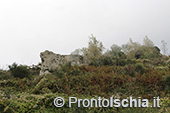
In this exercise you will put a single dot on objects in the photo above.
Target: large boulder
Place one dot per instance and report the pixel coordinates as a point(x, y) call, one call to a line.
point(51, 61)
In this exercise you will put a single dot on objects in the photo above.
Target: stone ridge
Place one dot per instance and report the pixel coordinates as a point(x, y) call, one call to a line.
point(51, 61)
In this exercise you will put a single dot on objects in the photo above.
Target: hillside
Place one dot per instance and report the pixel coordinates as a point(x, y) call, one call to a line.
point(141, 72)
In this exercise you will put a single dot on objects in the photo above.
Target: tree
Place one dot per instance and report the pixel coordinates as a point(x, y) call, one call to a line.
point(136, 50)
point(94, 50)
point(125, 48)
point(115, 52)
point(115, 49)
point(147, 42)
point(139, 54)
point(130, 48)
point(133, 45)
point(164, 47)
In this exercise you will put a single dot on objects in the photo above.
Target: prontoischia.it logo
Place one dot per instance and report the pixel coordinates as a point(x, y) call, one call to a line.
point(103, 102)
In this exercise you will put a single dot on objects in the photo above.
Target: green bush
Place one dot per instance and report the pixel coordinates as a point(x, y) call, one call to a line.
point(103, 60)
point(4, 75)
point(106, 60)
point(140, 68)
point(129, 70)
point(19, 71)
point(167, 83)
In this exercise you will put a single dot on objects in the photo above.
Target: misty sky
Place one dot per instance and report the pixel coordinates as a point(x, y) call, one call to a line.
point(28, 27)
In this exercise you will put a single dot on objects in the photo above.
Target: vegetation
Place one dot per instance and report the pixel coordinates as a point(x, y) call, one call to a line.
point(131, 70)
point(18, 71)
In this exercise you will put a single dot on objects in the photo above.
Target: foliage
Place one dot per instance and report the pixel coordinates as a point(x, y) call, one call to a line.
point(115, 52)
point(167, 83)
point(147, 42)
point(37, 94)
point(140, 68)
point(131, 70)
point(105, 60)
point(93, 52)
point(5, 75)
point(19, 71)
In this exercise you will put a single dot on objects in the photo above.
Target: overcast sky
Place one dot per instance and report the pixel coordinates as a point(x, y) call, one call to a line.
point(28, 27)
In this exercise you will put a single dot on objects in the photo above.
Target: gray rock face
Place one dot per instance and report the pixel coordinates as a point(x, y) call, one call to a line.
point(52, 61)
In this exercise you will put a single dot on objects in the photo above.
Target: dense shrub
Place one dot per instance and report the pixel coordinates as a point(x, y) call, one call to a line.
point(140, 68)
point(122, 62)
point(129, 70)
point(95, 63)
point(103, 60)
point(106, 60)
point(34, 70)
point(4, 75)
point(62, 70)
point(139, 54)
point(19, 71)
point(37, 95)
point(167, 83)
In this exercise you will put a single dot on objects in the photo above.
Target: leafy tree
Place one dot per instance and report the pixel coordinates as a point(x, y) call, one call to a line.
point(115, 50)
point(147, 42)
point(125, 48)
point(131, 48)
point(94, 50)
point(147, 52)
point(135, 50)
point(115, 53)
point(139, 54)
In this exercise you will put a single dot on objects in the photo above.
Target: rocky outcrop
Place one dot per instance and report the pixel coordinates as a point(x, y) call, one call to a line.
point(52, 61)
